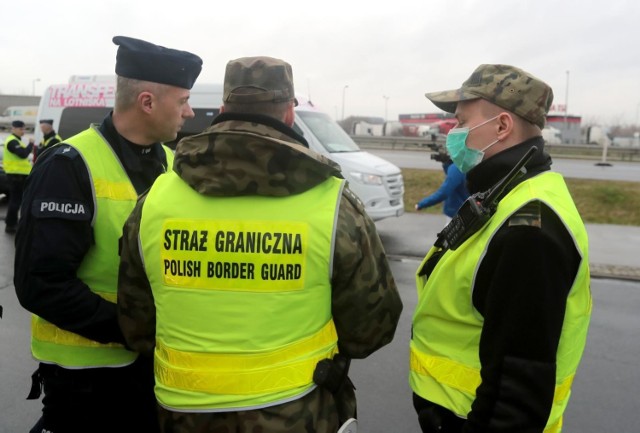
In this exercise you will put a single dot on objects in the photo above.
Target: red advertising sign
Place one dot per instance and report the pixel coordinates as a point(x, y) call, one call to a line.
point(83, 95)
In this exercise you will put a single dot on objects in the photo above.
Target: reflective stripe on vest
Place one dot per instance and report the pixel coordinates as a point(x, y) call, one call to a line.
point(445, 365)
point(114, 198)
point(246, 375)
point(12, 163)
point(257, 289)
point(467, 379)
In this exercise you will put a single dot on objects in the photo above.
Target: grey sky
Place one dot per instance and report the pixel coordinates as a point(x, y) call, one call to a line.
point(395, 49)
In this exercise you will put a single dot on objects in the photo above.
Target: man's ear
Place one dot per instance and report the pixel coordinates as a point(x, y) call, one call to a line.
point(505, 125)
point(146, 101)
point(221, 109)
point(290, 115)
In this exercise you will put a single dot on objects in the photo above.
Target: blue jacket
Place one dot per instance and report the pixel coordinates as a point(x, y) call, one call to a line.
point(453, 191)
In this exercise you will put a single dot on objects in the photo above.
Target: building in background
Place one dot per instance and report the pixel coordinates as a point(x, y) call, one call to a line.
point(363, 125)
point(567, 124)
point(22, 100)
point(18, 107)
point(427, 124)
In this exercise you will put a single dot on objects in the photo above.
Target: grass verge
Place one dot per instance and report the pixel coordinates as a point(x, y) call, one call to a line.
point(598, 201)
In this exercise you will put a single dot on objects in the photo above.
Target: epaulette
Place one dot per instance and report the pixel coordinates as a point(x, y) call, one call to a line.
point(65, 150)
point(353, 198)
point(528, 215)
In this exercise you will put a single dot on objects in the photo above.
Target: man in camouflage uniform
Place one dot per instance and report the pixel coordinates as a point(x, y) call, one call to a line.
point(251, 169)
point(502, 318)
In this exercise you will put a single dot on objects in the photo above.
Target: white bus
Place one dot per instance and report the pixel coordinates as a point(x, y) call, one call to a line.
point(377, 182)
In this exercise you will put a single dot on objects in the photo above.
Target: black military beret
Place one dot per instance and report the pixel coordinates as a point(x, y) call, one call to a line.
point(141, 60)
point(49, 121)
point(17, 124)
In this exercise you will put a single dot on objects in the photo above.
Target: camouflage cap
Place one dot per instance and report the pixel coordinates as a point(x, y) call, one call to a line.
point(505, 86)
point(258, 79)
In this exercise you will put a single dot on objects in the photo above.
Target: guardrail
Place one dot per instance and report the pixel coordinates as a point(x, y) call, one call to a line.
point(580, 151)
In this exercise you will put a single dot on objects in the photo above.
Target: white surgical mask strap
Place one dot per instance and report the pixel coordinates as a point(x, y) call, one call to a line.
point(484, 123)
point(490, 145)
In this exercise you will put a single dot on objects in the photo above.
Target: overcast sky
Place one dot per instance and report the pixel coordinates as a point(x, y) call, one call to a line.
point(393, 49)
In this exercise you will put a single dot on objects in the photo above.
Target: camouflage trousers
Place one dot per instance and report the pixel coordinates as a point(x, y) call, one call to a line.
point(316, 412)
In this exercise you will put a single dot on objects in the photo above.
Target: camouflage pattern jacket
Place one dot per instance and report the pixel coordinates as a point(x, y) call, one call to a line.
point(231, 158)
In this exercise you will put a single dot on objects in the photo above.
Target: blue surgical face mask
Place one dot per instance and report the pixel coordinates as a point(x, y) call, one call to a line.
point(462, 156)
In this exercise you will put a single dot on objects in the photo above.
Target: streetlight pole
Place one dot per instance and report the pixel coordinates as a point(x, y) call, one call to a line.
point(343, 91)
point(386, 101)
point(33, 86)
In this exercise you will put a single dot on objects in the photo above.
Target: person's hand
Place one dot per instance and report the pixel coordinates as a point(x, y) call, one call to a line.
point(416, 206)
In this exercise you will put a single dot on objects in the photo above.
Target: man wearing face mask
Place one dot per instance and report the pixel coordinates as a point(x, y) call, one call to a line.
point(501, 320)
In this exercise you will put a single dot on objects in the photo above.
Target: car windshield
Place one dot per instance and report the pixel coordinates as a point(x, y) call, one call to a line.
point(328, 132)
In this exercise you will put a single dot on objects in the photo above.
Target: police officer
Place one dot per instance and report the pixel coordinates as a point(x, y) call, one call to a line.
point(501, 320)
point(49, 136)
point(76, 202)
point(17, 167)
point(274, 258)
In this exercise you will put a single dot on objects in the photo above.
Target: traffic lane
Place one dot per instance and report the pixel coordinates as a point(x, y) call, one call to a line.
point(16, 364)
point(604, 395)
point(571, 168)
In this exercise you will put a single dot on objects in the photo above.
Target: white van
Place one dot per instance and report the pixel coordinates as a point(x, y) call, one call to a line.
point(377, 182)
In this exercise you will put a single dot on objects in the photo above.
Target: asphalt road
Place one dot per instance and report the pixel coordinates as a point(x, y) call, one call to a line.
point(604, 394)
point(572, 168)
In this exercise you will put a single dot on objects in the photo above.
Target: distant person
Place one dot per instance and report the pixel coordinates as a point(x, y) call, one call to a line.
point(17, 167)
point(453, 191)
point(50, 137)
point(250, 265)
point(501, 319)
point(66, 264)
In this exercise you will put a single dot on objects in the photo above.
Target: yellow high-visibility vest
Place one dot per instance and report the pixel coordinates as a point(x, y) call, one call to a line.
point(13, 164)
point(242, 293)
point(45, 143)
point(114, 198)
point(444, 358)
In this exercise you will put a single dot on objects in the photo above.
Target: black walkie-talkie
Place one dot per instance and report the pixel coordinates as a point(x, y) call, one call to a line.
point(479, 207)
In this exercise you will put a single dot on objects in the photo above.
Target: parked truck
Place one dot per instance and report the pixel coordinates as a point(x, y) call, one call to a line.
point(595, 135)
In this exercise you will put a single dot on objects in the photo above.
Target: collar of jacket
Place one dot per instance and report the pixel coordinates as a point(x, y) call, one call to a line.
point(129, 153)
point(238, 157)
point(49, 135)
point(486, 174)
point(263, 120)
